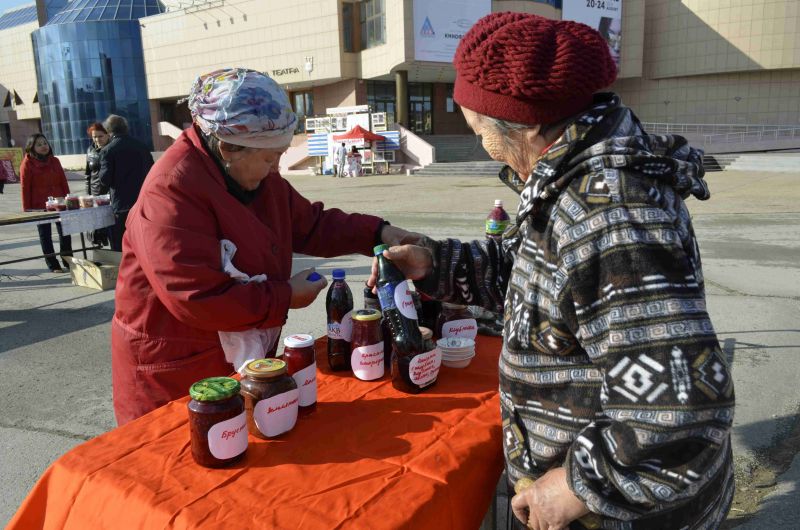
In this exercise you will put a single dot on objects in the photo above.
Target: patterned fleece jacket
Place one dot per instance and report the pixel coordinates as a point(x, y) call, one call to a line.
point(610, 365)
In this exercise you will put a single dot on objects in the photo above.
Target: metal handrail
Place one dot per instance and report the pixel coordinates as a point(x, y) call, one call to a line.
point(753, 136)
point(710, 128)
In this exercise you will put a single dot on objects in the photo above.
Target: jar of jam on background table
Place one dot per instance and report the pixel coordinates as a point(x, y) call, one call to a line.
point(217, 422)
point(301, 362)
point(271, 398)
point(456, 321)
point(367, 358)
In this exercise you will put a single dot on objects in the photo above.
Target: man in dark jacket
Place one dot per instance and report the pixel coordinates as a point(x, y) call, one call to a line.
point(124, 163)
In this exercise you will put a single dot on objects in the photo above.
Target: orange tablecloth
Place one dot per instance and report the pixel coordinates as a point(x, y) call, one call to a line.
point(370, 457)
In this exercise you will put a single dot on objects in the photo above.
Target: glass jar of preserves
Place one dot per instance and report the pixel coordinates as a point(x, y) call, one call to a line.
point(217, 422)
point(301, 361)
point(72, 202)
point(367, 357)
point(86, 201)
point(456, 321)
point(271, 398)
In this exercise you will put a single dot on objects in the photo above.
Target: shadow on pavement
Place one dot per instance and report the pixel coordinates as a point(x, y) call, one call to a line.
point(31, 326)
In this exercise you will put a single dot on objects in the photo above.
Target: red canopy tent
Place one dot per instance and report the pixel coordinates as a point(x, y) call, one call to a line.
point(359, 133)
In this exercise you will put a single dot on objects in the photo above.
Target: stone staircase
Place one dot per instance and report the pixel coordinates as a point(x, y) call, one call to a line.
point(457, 147)
point(479, 168)
point(770, 162)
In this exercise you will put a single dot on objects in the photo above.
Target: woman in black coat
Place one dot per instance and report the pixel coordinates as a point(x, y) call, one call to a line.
point(100, 139)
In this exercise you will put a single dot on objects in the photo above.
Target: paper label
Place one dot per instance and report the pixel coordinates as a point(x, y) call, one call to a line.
point(228, 438)
point(404, 301)
point(306, 380)
point(278, 414)
point(495, 227)
point(342, 330)
point(367, 362)
point(423, 369)
point(466, 327)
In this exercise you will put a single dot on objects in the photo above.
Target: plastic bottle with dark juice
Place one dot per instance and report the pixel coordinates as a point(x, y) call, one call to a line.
point(408, 373)
point(339, 304)
point(497, 221)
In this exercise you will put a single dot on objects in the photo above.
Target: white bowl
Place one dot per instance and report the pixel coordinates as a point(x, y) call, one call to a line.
point(463, 363)
point(456, 356)
point(455, 343)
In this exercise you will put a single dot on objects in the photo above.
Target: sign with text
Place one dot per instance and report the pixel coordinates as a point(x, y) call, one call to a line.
point(439, 26)
point(603, 15)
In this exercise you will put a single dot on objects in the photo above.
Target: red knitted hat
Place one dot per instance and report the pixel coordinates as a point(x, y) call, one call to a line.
point(529, 69)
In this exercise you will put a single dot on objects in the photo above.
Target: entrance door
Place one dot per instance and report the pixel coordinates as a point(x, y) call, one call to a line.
point(416, 117)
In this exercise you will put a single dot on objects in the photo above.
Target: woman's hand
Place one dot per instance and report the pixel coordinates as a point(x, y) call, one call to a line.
point(304, 292)
point(413, 261)
point(548, 504)
point(393, 236)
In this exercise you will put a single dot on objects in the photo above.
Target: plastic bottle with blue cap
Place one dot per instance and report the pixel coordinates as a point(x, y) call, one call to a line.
point(339, 306)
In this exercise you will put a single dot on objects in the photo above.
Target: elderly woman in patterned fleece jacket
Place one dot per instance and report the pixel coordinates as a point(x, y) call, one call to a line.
point(615, 396)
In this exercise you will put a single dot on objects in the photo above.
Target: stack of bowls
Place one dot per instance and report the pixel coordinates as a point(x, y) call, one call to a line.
point(457, 352)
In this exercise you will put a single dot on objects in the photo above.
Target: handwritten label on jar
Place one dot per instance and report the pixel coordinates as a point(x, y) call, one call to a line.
point(228, 438)
point(466, 327)
point(423, 369)
point(342, 330)
point(278, 414)
point(306, 380)
point(367, 362)
point(398, 296)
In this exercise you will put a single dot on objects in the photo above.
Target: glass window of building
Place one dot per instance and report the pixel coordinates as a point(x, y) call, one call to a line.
point(420, 108)
point(373, 23)
point(349, 26)
point(303, 105)
point(381, 97)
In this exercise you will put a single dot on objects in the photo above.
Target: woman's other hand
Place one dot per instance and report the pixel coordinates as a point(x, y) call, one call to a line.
point(304, 292)
point(548, 504)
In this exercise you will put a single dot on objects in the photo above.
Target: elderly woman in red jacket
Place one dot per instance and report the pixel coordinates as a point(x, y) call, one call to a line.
point(42, 176)
point(219, 181)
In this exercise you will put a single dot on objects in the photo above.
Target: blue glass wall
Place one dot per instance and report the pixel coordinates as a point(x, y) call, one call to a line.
point(86, 71)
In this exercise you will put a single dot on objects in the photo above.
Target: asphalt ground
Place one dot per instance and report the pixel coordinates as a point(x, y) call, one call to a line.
point(54, 337)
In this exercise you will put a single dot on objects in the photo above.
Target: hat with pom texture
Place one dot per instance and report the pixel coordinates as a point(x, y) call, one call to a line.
point(529, 69)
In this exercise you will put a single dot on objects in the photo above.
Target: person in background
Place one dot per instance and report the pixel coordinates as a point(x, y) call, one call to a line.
point(616, 399)
point(100, 139)
point(219, 182)
point(41, 176)
point(354, 161)
point(341, 160)
point(124, 164)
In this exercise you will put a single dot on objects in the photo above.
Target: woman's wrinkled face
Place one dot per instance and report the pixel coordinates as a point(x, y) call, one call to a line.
point(99, 138)
point(41, 146)
point(250, 166)
point(492, 139)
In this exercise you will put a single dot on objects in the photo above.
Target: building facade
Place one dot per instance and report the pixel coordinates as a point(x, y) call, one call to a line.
point(680, 61)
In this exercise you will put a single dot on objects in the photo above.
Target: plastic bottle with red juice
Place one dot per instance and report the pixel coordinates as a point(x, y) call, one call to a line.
point(497, 221)
point(339, 304)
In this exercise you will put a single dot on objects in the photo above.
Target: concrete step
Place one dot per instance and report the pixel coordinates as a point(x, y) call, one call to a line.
point(457, 148)
point(462, 169)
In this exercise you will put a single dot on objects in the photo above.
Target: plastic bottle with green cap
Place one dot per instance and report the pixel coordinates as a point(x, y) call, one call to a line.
point(398, 308)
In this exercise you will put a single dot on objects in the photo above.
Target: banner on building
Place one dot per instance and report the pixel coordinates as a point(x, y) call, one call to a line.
point(603, 15)
point(440, 24)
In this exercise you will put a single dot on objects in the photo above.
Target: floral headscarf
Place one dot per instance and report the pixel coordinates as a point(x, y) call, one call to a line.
point(243, 107)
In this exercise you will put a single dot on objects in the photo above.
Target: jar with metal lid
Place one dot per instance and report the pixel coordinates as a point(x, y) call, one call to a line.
point(428, 343)
point(271, 397)
point(367, 357)
point(301, 361)
point(456, 321)
point(217, 422)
